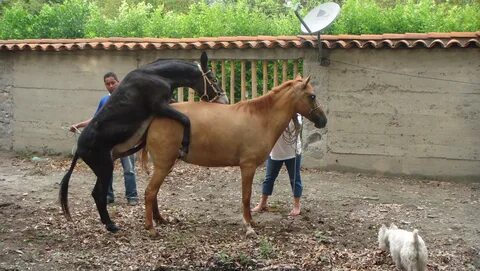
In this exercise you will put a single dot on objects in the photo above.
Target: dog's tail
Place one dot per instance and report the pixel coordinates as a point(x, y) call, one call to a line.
point(416, 245)
point(63, 194)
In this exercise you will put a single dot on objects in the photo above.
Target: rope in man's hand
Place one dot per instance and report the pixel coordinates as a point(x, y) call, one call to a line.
point(75, 132)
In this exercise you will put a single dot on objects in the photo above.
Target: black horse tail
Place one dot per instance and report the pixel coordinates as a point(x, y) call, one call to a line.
point(63, 194)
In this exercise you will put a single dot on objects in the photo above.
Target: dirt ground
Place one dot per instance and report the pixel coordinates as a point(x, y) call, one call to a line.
point(341, 214)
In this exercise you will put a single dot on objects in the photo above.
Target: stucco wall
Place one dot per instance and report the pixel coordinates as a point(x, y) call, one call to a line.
point(377, 121)
point(53, 90)
point(6, 101)
point(392, 123)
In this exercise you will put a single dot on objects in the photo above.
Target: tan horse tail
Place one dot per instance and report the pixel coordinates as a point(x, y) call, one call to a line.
point(144, 159)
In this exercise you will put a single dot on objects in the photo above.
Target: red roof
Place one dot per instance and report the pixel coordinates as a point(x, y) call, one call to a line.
point(408, 40)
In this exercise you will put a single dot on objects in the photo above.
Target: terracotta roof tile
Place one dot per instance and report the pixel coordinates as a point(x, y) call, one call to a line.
point(407, 40)
point(393, 36)
point(420, 35)
point(420, 43)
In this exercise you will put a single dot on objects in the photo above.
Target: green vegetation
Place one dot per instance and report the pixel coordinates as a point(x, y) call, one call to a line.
point(189, 18)
point(266, 249)
point(224, 261)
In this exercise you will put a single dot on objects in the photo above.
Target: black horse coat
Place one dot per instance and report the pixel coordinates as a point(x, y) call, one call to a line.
point(143, 94)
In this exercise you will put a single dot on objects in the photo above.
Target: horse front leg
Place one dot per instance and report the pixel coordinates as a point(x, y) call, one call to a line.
point(248, 171)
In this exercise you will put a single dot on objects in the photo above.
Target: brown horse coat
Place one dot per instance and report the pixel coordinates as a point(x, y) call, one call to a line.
point(228, 135)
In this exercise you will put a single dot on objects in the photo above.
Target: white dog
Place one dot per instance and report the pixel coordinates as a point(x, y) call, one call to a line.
point(407, 248)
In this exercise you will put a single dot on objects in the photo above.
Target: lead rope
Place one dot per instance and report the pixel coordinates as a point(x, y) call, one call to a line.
point(299, 138)
point(75, 134)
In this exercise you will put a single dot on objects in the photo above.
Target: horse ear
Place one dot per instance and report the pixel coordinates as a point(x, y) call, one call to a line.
point(305, 82)
point(204, 62)
point(299, 76)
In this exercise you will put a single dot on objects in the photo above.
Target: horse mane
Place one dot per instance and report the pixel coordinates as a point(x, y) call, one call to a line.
point(265, 101)
point(166, 60)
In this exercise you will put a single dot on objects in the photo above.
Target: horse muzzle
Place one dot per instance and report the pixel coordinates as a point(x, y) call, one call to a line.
point(321, 122)
point(222, 99)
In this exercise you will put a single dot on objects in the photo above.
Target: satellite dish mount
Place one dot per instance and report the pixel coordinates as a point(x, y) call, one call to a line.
point(315, 21)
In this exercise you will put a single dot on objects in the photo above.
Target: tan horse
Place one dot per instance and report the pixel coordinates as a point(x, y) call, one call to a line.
point(228, 135)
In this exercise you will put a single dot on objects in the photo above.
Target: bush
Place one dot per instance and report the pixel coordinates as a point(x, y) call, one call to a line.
point(65, 20)
point(132, 18)
point(410, 16)
point(16, 23)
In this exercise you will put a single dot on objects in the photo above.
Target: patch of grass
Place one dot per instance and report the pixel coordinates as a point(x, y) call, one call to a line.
point(266, 249)
point(323, 238)
point(225, 261)
point(223, 258)
point(245, 260)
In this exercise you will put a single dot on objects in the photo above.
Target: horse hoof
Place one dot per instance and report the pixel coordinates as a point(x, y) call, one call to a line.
point(112, 228)
point(160, 221)
point(153, 234)
point(251, 233)
point(181, 154)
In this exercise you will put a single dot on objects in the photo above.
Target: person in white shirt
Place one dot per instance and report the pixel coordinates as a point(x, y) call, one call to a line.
point(287, 150)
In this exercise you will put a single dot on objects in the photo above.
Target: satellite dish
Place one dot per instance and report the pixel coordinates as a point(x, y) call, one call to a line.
point(320, 17)
point(317, 20)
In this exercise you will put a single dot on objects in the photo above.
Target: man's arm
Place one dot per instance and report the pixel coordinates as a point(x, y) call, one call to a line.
point(74, 128)
point(79, 125)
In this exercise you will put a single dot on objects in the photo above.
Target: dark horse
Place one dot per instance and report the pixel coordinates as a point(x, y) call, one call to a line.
point(118, 129)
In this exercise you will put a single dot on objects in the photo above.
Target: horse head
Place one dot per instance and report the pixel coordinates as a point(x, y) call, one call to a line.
point(208, 85)
point(307, 104)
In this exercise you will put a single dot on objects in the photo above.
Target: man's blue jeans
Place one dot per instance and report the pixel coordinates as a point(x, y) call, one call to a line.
point(273, 168)
point(128, 164)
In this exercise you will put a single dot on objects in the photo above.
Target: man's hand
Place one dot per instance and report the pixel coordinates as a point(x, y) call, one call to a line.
point(74, 129)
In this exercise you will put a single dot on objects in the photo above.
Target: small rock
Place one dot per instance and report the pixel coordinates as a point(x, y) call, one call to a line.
point(455, 227)
point(371, 198)
point(39, 159)
point(471, 267)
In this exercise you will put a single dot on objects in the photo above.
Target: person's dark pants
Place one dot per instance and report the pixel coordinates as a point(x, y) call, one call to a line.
point(273, 168)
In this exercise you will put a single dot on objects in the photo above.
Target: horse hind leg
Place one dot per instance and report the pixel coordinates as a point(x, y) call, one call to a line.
point(247, 179)
point(157, 217)
point(102, 166)
point(151, 192)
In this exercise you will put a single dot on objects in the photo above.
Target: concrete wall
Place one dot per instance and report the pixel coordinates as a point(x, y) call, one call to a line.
point(53, 90)
point(392, 123)
point(6, 101)
point(379, 122)
point(45, 92)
